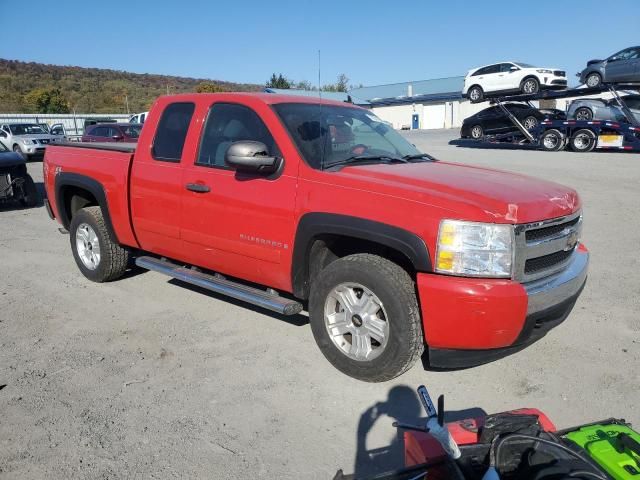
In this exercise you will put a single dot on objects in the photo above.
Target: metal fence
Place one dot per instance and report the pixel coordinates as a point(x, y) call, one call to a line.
point(73, 123)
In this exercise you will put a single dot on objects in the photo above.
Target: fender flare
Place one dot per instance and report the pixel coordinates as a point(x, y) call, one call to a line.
point(314, 225)
point(65, 179)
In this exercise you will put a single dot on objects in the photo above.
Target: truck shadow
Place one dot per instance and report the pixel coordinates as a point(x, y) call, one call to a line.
point(298, 320)
point(402, 405)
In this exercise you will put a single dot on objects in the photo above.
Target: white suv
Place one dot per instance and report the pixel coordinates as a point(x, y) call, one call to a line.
point(510, 77)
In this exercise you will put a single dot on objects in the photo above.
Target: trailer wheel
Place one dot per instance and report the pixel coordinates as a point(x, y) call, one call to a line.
point(584, 140)
point(552, 140)
point(476, 94)
point(477, 132)
point(594, 79)
point(530, 86)
point(584, 113)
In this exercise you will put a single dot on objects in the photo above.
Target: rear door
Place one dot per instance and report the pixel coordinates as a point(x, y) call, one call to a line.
point(237, 223)
point(489, 78)
point(156, 179)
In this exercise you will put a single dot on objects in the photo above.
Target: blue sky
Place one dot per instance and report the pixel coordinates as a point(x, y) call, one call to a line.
point(373, 42)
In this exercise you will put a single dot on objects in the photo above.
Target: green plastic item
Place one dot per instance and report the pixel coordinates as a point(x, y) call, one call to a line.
point(605, 445)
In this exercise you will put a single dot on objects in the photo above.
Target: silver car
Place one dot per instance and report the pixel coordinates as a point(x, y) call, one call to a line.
point(620, 67)
point(599, 109)
point(27, 139)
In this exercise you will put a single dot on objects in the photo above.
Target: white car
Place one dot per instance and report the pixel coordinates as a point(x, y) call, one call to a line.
point(510, 77)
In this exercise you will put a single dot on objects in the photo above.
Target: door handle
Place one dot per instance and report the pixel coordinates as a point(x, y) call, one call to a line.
point(197, 187)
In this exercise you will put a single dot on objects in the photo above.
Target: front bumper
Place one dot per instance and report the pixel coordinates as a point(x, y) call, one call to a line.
point(471, 321)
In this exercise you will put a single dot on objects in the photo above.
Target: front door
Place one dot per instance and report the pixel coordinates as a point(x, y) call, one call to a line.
point(237, 223)
point(623, 66)
point(415, 121)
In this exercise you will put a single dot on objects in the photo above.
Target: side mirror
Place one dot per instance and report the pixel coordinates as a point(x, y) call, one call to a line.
point(250, 156)
point(118, 138)
point(513, 69)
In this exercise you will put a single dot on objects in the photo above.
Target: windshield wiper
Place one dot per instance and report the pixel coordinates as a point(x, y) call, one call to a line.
point(364, 158)
point(418, 156)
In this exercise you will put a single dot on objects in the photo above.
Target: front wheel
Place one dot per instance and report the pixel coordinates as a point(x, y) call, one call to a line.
point(552, 140)
point(584, 140)
point(16, 149)
point(97, 255)
point(530, 86)
point(584, 113)
point(593, 80)
point(30, 196)
point(365, 317)
point(477, 132)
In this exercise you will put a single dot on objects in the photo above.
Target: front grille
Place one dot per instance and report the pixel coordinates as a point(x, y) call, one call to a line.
point(534, 265)
point(545, 248)
point(560, 73)
point(541, 233)
point(44, 141)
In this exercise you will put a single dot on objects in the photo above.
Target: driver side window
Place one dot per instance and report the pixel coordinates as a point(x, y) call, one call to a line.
point(228, 123)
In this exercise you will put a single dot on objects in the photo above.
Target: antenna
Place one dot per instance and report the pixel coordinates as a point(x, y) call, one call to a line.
point(322, 140)
point(319, 90)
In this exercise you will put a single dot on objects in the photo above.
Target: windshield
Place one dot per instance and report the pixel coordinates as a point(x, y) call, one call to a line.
point(26, 129)
point(325, 134)
point(132, 131)
point(524, 65)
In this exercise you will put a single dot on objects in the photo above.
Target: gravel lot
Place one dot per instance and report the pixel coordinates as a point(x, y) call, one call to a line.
point(140, 378)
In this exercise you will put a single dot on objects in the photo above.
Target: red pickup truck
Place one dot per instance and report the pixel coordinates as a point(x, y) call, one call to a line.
point(290, 202)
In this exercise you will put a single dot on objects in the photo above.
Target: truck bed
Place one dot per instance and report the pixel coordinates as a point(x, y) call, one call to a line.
point(115, 147)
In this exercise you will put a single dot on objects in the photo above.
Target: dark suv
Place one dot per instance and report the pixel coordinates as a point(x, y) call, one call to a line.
point(112, 132)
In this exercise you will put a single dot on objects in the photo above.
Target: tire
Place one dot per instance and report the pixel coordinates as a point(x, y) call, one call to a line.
point(530, 122)
point(389, 292)
point(16, 149)
point(475, 94)
point(30, 195)
point(552, 140)
point(477, 132)
point(530, 86)
point(583, 140)
point(111, 260)
point(594, 79)
point(583, 113)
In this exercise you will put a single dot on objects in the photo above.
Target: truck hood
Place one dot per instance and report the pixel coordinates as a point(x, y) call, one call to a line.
point(37, 136)
point(472, 193)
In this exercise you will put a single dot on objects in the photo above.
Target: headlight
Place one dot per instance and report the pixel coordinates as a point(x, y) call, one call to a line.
point(28, 141)
point(474, 249)
point(544, 70)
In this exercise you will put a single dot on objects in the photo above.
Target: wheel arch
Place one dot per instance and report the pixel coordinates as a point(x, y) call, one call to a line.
point(74, 191)
point(529, 76)
point(324, 237)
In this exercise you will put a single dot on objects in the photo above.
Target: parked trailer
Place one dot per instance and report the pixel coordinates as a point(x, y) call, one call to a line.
point(578, 135)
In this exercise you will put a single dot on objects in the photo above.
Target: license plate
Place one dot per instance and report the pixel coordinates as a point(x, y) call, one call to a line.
point(610, 141)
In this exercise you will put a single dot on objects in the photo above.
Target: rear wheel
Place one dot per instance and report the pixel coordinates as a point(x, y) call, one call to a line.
point(584, 113)
point(583, 140)
point(552, 140)
point(530, 86)
point(530, 122)
point(477, 132)
point(476, 94)
point(365, 317)
point(97, 255)
point(594, 79)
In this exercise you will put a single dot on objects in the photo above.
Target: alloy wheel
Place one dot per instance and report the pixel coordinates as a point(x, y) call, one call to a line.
point(88, 246)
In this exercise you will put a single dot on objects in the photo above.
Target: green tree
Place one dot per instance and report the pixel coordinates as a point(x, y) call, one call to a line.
point(46, 100)
point(278, 81)
point(209, 87)
point(341, 85)
point(304, 85)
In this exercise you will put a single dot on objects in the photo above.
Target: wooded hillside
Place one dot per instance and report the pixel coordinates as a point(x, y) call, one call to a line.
point(39, 88)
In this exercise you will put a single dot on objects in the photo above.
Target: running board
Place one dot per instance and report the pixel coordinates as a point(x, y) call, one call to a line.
point(260, 298)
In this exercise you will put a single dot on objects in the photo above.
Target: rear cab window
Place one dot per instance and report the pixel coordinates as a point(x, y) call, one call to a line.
point(171, 133)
